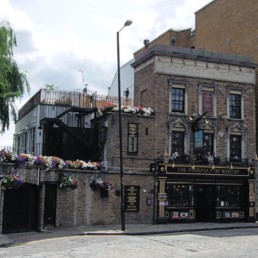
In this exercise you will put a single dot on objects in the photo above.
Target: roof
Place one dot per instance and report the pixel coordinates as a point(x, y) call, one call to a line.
point(197, 54)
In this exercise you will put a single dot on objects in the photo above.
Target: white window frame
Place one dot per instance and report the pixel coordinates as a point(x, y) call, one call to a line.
point(178, 86)
point(236, 92)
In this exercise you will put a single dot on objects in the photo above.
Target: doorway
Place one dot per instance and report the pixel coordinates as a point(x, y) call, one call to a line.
point(205, 199)
point(50, 205)
point(20, 209)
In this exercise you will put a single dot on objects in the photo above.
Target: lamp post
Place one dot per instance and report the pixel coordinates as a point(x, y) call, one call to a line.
point(127, 23)
point(84, 84)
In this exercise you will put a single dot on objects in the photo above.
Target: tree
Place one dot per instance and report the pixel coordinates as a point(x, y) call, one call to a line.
point(50, 86)
point(13, 83)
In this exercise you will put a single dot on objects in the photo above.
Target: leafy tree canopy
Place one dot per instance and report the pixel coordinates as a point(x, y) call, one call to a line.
point(13, 83)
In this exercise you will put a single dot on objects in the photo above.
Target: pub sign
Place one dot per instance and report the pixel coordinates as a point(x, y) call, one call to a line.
point(132, 142)
point(198, 141)
point(132, 198)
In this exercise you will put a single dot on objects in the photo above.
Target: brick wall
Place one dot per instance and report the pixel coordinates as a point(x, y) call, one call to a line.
point(181, 38)
point(132, 162)
point(83, 206)
point(229, 27)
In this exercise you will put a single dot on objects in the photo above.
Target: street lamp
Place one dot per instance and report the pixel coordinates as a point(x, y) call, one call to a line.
point(127, 23)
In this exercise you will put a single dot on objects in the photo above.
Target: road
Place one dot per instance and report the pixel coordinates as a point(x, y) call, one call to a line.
point(216, 243)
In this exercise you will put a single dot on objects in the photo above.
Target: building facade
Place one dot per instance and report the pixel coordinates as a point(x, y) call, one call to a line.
point(68, 110)
point(216, 30)
point(204, 126)
point(195, 159)
point(59, 123)
point(191, 160)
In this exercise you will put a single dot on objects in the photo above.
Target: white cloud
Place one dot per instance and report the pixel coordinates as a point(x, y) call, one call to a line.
point(57, 38)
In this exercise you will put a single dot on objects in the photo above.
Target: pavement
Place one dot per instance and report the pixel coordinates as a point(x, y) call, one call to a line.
point(130, 229)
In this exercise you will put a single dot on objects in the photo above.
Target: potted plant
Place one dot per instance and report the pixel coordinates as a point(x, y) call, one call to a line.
point(102, 185)
point(68, 182)
point(11, 181)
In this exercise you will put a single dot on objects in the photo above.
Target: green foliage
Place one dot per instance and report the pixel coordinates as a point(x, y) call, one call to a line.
point(13, 83)
point(50, 87)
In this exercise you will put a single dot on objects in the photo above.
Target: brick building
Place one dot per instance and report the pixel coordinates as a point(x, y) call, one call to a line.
point(216, 30)
point(212, 94)
point(236, 33)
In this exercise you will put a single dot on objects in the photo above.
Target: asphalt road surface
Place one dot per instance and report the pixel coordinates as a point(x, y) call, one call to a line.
point(216, 243)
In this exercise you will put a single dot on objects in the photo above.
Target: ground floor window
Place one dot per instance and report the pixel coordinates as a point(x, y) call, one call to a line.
point(180, 195)
point(204, 202)
point(229, 196)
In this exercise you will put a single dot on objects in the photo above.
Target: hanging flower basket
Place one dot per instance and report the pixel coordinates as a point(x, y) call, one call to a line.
point(68, 182)
point(102, 186)
point(206, 158)
point(11, 181)
point(179, 158)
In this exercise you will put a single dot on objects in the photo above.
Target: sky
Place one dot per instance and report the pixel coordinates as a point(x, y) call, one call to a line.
point(56, 39)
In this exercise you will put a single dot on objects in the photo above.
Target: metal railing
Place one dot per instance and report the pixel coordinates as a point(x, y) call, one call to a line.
point(6, 148)
point(78, 98)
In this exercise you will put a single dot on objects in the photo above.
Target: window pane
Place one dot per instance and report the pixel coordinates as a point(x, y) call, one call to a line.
point(180, 195)
point(32, 144)
point(229, 196)
point(208, 143)
point(178, 100)
point(235, 147)
point(177, 142)
point(235, 106)
point(207, 102)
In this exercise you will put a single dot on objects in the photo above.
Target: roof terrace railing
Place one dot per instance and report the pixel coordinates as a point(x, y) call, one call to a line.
point(78, 98)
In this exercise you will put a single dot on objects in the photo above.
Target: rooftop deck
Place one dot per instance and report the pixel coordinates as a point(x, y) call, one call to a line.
point(78, 98)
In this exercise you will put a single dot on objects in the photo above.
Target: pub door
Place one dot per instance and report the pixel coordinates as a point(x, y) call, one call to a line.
point(50, 205)
point(20, 209)
point(205, 199)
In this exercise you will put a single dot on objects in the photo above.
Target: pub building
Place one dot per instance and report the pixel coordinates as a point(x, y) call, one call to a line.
point(204, 132)
point(205, 188)
point(205, 193)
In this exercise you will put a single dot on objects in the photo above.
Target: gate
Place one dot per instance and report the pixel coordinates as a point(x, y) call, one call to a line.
point(20, 209)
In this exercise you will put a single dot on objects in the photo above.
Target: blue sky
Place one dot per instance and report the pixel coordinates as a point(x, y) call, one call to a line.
point(57, 38)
